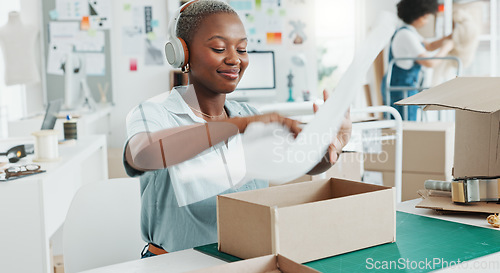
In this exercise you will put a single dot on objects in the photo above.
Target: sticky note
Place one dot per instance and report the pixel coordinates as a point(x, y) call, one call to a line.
point(274, 38)
point(241, 5)
point(126, 6)
point(92, 32)
point(151, 36)
point(53, 14)
point(155, 23)
point(258, 4)
point(85, 23)
point(250, 18)
point(133, 64)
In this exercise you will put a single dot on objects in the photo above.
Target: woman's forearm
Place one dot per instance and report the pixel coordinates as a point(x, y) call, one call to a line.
point(158, 150)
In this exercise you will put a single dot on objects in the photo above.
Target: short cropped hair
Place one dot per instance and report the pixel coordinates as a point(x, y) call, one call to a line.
point(193, 15)
point(411, 10)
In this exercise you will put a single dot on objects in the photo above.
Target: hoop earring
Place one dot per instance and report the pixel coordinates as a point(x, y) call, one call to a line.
point(186, 68)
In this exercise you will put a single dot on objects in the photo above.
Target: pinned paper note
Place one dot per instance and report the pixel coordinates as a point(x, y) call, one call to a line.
point(91, 40)
point(274, 38)
point(133, 64)
point(53, 14)
point(95, 64)
point(85, 24)
point(71, 9)
point(151, 36)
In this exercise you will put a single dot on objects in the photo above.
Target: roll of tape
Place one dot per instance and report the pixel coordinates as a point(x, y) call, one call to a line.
point(70, 130)
point(46, 146)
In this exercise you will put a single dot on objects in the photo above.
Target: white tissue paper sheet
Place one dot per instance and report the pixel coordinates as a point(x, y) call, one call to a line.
point(269, 151)
point(209, 173)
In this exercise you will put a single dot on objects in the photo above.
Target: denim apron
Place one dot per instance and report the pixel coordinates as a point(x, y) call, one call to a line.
point(402, 77)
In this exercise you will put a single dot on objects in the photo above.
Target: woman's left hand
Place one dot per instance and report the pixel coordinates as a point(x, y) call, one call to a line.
point(343, 136)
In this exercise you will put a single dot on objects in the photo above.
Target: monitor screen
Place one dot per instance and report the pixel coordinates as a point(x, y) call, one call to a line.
point(49, 121)
point(260, 73)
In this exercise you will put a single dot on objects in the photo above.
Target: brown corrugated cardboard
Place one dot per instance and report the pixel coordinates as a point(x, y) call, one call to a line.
point(306, 221)
point(477, 144)
point(477, 137)
point(427, 148)
point(411, 182)
point(265, 264)
point(444, 203)
point(58, 264)
point(349, 166)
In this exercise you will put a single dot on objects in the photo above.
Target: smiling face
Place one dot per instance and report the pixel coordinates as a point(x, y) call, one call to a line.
point(218, 56)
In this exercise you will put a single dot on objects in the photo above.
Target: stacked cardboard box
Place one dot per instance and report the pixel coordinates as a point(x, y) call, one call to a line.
point(427, 154)
point(477, 139)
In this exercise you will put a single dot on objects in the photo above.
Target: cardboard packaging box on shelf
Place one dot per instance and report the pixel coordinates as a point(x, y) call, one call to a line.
point(427, 154)
point(477, 122)
point(412, 182)
point(268, 263)
point(427, 148)
point(306, 221)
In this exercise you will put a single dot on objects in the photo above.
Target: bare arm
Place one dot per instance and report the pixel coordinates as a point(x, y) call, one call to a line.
point(445, 45)
point(436, 44)
point(158, 150)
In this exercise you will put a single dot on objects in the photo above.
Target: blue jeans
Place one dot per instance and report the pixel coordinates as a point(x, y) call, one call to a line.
point(397, 96)
point(146, 253)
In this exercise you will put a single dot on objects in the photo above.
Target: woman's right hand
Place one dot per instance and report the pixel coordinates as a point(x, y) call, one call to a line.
point(448, 45)
point(291, 124)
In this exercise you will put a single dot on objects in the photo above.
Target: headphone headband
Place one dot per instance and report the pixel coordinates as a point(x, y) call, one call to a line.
point(176, 49)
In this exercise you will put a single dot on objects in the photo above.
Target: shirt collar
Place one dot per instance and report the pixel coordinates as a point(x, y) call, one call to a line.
point(176, 104)
point(410, 27)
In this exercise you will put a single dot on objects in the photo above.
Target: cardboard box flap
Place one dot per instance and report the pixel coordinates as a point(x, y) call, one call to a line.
point(288, 266)
point(264, 264)
point(477, 94)
point(444, 203)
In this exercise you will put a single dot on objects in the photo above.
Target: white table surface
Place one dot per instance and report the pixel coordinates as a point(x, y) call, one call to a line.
point(191, 259)
point(33, 208)
point(180, 261)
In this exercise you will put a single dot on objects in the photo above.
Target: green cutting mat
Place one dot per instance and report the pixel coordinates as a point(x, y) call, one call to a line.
point(421, 241)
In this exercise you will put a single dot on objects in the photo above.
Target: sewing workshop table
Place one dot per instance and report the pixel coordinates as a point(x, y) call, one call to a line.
point(33, 208)
point(190, 259)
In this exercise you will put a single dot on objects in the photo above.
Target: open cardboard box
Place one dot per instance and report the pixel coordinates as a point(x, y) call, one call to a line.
point(265, 264)
point(306, 221)
point(477, 122)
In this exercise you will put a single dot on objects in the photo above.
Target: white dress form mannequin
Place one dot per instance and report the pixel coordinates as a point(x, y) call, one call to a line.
point(18, 46)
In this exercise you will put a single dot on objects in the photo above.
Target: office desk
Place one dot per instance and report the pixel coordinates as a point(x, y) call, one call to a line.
point(34, 207)
point(190, 259)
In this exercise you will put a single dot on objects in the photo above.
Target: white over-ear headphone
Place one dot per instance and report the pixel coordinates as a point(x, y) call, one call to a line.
point(176, 49)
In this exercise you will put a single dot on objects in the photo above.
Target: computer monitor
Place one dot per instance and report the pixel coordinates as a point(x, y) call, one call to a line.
point(259, 79)
point(53, 108)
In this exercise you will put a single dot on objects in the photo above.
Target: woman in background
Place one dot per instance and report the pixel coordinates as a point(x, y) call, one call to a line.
point(408, 43)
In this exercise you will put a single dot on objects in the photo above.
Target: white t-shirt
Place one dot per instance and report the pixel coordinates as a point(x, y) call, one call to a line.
point(407, 43)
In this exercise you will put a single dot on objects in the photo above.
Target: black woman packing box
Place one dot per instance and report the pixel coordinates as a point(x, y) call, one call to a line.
point(477, 122)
